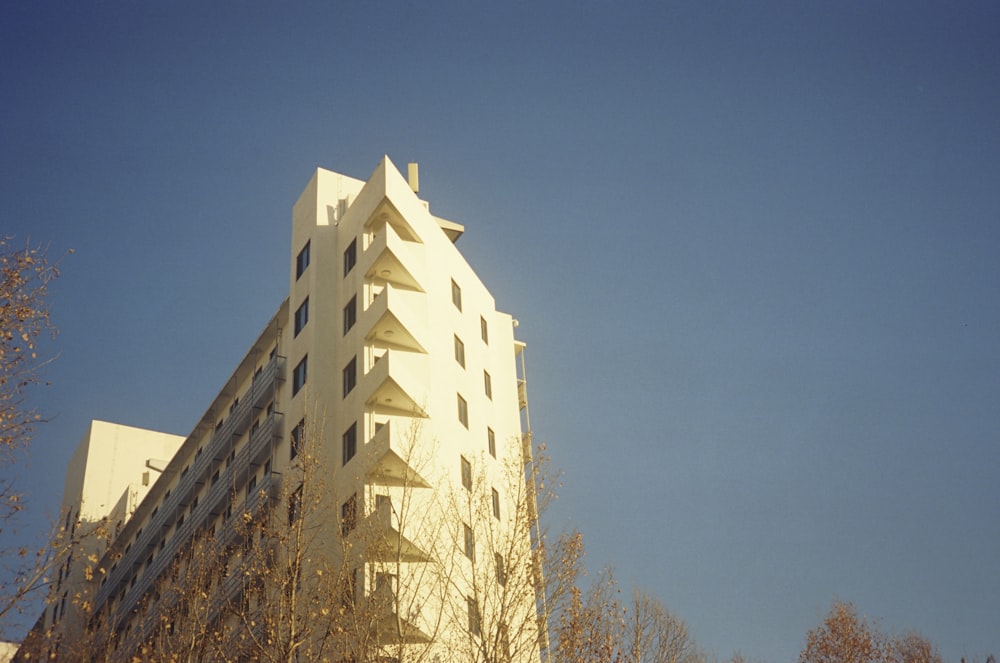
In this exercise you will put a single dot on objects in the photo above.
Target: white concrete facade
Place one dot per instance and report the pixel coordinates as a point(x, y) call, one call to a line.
point(109, 474)
point(390, 349)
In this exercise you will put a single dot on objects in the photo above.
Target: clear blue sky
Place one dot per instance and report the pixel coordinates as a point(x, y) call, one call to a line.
point(754, 249)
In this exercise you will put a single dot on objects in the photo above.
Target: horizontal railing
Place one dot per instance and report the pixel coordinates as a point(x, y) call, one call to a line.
point(192, 478)
point(224, 536)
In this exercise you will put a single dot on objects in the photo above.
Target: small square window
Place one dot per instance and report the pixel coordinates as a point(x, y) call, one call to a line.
point(463, 411)
point(466, 473)
point(496, 504)
point(350, 256)
point(488, 385)
point(470, 542)
point(349, 443)
point(350, 376)
point(456, 295)
point(299, 375)
point(302, 261)
point(484, 329)
point(491, 442)
point(301, 316)
point(298, 438)
point(350, 314)
point(460, 352)
point(348, 514)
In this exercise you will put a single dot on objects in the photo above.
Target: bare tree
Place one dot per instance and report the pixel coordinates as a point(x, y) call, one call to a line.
point(846, 637)
point(25, 275)
point(653, 634)
point(914, 648)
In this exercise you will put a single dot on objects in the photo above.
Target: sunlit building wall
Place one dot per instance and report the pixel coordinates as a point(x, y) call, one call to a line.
point(388, 364)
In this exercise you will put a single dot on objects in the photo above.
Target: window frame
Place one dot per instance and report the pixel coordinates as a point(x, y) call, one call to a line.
point(463, 411)
point(349, 515)
point(296, 439)
point(350, 314)
point(301, 317)
point(456, 294)
point(302, 260)
point(469, 542)
point(475, 620)
point(294, 505)
point(300, 374)
point(350, 376)
point(349, 443)
point(350, 256)
point(466, 473)
point(459, 351)
point(501, 569)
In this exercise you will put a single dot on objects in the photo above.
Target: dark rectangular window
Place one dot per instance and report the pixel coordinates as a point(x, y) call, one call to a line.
point(460, 352)
point(302, 261)
point(348, 514)
point(470, 542)
point(298, 438)
point(488, 385)
point(350, 314)
point(301, 316)
point(463, 411)
point(475, 628)
point(350, 375)
point(496, 504)
point(350, 256)
point(350, 443)
point(294, 505)
point(350, 590)
point(299, 375)
point(501, 570)
point(456, 295)
point(491, 442)
point(466, 473)
point(484, 330)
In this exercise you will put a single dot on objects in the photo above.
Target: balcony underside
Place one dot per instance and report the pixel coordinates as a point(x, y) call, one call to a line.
point(390, 332)
point(391, 546)
point(391, 470)
point(393, 629)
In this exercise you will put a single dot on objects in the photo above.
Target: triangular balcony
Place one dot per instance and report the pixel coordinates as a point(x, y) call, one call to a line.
point(384, 541)
point(386, 199)
point(393, 629)
point(390, 323)
point(386, 214)
point(390, 259)
point(387, 449)
point(391, 389)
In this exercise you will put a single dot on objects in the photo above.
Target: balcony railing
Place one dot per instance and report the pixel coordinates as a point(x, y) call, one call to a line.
point(250, 454)
point(192, 478)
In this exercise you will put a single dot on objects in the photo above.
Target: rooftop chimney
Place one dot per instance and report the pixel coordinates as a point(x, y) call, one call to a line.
point(413, 175)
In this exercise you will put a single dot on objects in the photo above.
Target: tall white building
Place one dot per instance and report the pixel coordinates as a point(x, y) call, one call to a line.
point(391, 372)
